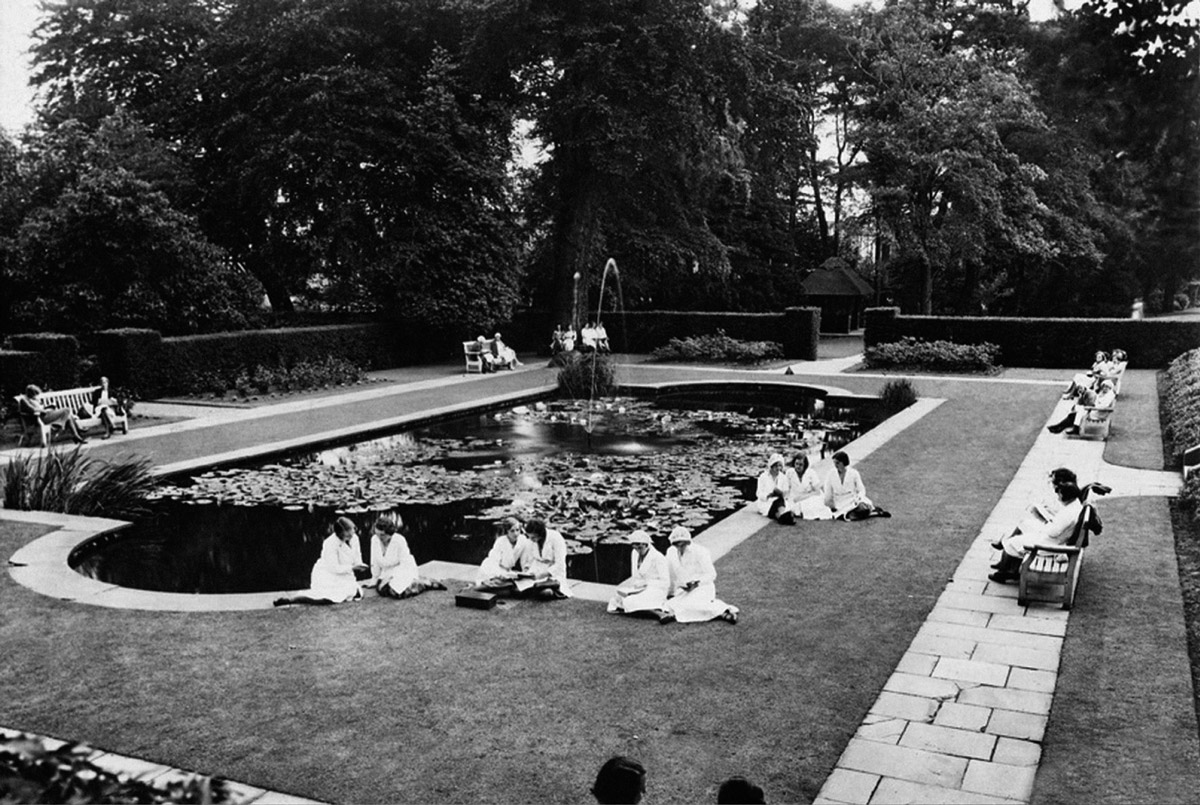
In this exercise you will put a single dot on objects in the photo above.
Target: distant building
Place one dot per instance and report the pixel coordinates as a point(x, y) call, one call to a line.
point(840, 292)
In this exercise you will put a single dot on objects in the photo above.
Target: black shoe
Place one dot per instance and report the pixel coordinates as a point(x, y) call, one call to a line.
point(666, 617)
point(730, 616)
point(280, 602)
point(997, 545)
point(997, 566)
point(1002, 578)
point(1054, 429)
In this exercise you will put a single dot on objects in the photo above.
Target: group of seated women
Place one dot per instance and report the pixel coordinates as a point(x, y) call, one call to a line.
point(527, 560)
point(593, 337)
point(795, 493)
point(1105, 366)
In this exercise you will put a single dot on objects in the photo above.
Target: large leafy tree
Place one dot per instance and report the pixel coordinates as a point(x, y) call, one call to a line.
point(944, 128)
point(628, 99)
point(351, 150)
point(100, 245)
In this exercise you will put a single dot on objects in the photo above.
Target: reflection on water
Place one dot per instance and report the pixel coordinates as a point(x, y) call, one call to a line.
point(642, 466)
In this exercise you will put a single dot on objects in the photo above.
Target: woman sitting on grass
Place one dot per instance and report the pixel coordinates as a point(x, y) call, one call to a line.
point(693, 584)
point(773, 494)
point(334, 577)
point(393, 568)
point(845, 493)
point(647, 586)
point(805, 495)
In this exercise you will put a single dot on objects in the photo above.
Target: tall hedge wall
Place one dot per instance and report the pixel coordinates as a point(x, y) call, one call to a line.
point(1047, 343)
point(17, 370)
point(644, 330)
point(56, 365)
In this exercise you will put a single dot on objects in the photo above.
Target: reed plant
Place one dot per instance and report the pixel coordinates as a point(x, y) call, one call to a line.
point(586, 376)
point(71, 482)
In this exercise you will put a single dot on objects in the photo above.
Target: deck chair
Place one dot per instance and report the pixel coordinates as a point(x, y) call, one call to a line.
point(1050, 573)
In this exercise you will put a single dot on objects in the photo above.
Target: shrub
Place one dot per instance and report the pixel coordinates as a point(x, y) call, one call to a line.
point(587, 376)
point(717, 348)
point(30, 772)
point(897, 395)
point(912, 352)
point(71, 482)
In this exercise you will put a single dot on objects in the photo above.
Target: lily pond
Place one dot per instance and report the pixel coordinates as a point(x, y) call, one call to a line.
point(594, 473)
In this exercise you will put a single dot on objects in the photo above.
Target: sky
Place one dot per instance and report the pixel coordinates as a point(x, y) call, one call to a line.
point(18, 18)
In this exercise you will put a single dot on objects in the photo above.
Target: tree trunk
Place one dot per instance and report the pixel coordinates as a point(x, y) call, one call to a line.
point(926, 286)
point(574, 244)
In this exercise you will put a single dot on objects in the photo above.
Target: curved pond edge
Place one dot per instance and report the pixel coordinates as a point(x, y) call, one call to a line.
point(43, 565)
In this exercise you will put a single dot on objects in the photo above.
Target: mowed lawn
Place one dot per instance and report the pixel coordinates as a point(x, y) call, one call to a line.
point(419, 701)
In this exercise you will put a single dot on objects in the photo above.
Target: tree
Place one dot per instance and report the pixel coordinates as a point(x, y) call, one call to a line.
point(940, 127)
point(99, 246)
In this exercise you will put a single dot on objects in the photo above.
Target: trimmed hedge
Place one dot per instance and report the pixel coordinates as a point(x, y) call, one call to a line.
point(57, 364)
point(18, 369)
point(943, 355)
point(1182, 403)
point(718, 348)
point(1048, 343)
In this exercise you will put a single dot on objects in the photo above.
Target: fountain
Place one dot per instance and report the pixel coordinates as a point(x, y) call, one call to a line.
point(609, 265)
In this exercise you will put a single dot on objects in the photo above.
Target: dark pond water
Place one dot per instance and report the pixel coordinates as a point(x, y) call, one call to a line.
point(595, 475)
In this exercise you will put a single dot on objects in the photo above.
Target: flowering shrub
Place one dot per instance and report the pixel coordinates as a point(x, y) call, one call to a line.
point(912, 352)
point(718, 348)
point(30, 772)
point(302, 375)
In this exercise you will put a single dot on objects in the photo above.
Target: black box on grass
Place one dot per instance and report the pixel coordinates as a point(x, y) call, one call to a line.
point(475, 599)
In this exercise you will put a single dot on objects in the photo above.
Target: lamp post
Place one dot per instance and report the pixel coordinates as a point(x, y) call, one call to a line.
point(575, 303)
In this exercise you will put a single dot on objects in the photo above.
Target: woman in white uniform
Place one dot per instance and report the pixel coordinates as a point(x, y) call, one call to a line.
point(1033, 531)
point(334, 576)
point(647, 586)
point(845, 493)
point(772, 496)
point(393, 568)
point(693, 584)
point(805, 494)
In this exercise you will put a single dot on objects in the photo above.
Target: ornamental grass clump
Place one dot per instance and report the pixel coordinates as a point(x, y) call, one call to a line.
point(71, 482)
point(586, 376)
point(897, 395)
point(31, 772)
point(946, 356)
point(718, 348)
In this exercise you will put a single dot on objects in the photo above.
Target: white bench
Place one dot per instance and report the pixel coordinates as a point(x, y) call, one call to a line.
point(73, 400)
point(1096, 423)
point(1191, 462)
point(473, 354)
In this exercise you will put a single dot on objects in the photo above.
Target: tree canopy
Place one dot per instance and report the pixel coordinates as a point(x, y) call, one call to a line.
point(366, 155)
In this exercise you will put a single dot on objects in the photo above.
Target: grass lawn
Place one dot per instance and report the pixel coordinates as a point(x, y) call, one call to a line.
point(1123, 725)
point(418, 701)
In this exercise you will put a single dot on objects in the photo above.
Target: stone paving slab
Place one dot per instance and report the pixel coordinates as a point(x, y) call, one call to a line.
point(963, 716)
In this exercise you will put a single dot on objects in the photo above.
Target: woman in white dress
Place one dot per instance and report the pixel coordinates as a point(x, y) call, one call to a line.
point(845, 493)
point(647, 586)
point(805, 494)
point(772, 496)
point(393, 568)
point(693, 584)
point(1034, 531)
point(334, 576)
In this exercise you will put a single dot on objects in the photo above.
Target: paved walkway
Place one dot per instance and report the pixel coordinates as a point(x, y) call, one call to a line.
point(960, 720)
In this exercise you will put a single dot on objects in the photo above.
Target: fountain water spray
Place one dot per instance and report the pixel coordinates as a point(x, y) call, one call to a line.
point(609, 265)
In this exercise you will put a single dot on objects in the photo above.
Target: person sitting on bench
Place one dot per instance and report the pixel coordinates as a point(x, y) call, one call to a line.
point(647, 586)
point(56, 418)
point(1035, 530)
point(1103, 397)
point(103, 404)
point(504, 355)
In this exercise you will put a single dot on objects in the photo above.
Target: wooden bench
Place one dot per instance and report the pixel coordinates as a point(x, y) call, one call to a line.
point(73, 400)
point(473, 354)
point(1096, 423)
point(1050, 573)
point(1191, 462)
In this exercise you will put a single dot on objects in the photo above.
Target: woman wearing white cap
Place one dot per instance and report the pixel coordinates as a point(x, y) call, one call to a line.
point(773, 495)
point(647, 587)
point(693, 583)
